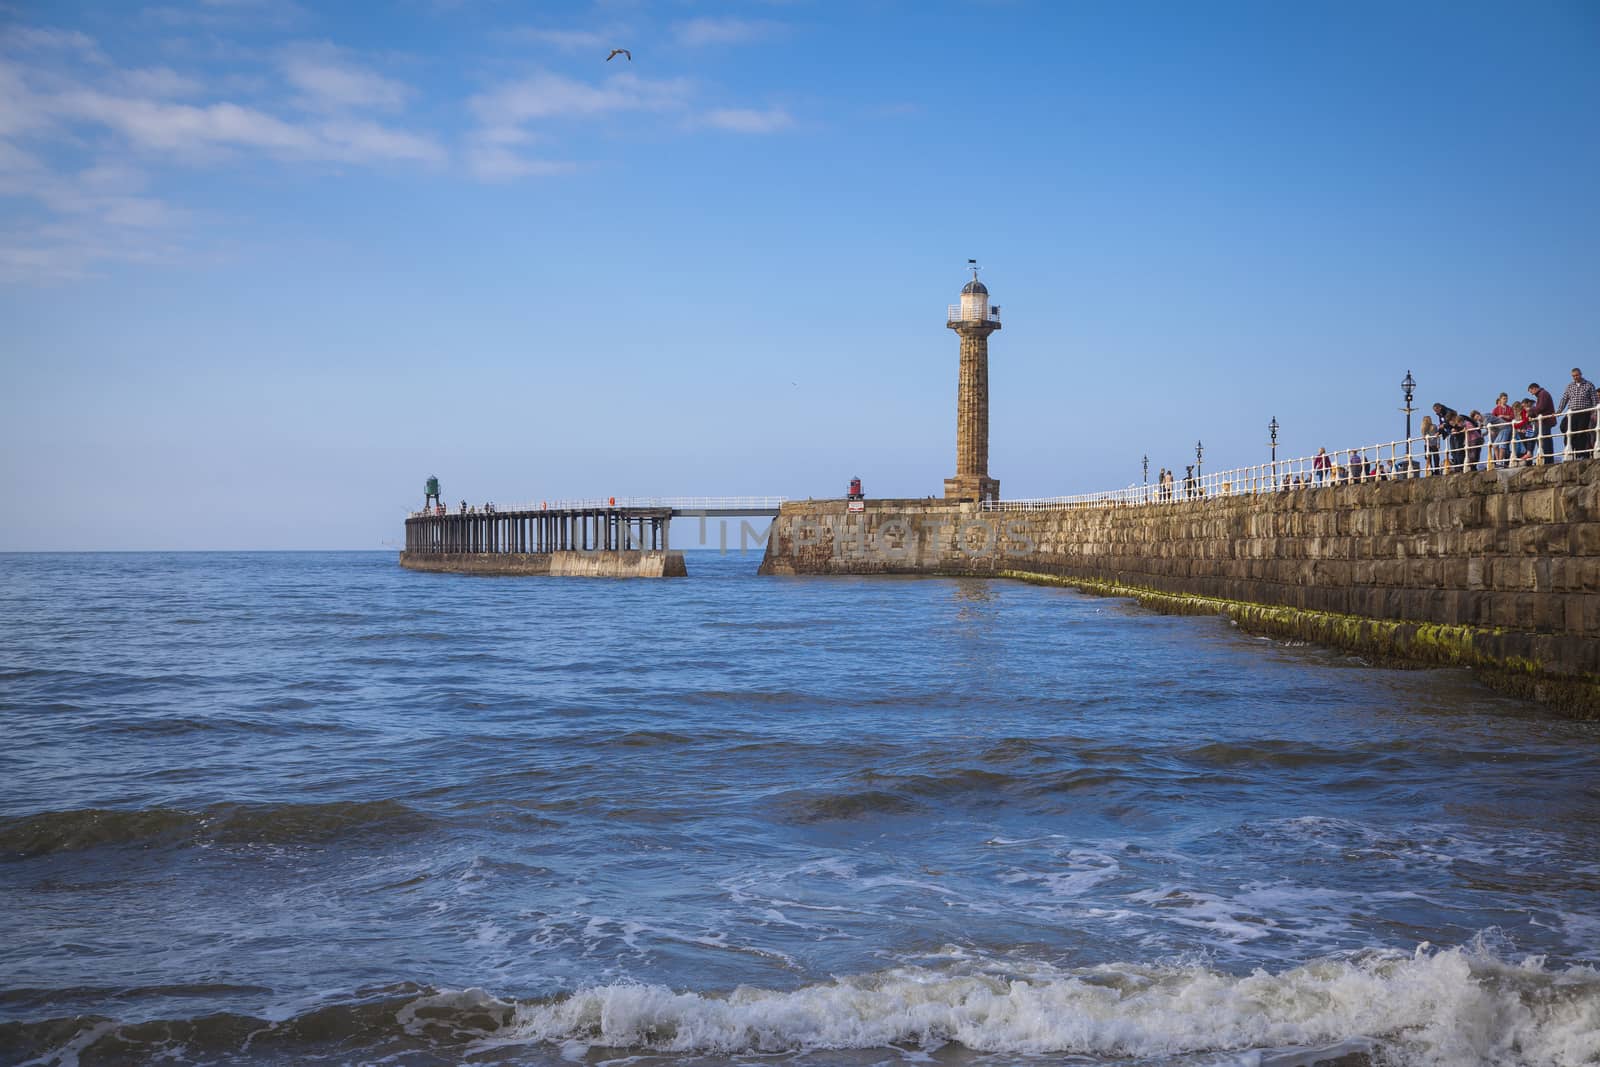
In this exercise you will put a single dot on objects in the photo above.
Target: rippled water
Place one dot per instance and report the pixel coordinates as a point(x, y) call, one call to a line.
point(310, 808)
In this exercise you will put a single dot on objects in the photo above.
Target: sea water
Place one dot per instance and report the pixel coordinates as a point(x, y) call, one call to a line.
point(316, 809)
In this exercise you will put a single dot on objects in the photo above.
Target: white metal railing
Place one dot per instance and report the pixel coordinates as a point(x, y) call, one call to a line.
point(599, 503)
point(1418, 457)
point(953, 313)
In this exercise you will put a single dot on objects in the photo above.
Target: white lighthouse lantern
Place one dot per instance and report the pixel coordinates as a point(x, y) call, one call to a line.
point(974, 306)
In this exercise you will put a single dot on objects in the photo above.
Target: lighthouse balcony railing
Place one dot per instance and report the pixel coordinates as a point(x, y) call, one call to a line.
point(954, 313)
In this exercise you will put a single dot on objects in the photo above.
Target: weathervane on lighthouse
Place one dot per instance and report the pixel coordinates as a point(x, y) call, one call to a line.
point(974, 319)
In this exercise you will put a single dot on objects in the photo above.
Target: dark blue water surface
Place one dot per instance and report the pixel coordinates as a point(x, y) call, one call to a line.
point(312, 808)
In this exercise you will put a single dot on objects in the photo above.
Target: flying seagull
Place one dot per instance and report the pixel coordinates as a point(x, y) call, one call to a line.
point(615, 52)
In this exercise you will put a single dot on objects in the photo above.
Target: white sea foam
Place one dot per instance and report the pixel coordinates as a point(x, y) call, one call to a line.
point(1431, 844)
point(67, 1055)
point(1451, 1008)
point(1583, 931)
point(603, 934)
point(489, 934)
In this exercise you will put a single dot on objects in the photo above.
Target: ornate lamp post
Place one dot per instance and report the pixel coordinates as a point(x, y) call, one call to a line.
point(1273, 426)
point(1409, 387)
point(1199, 451)
point(1146, 470)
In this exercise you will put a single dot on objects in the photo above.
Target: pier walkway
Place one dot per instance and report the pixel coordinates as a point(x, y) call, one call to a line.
point(604, 524)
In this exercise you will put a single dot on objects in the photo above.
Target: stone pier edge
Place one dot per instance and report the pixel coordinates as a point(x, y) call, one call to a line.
point(586, 563)
point(1388, 642)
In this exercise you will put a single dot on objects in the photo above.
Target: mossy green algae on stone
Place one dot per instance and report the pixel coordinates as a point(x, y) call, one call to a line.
point(1390, 642)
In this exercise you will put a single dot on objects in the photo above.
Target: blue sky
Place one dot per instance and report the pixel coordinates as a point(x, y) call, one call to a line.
point(266, 266)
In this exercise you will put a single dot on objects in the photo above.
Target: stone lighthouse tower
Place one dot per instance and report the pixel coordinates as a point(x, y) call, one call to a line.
point(974, 319)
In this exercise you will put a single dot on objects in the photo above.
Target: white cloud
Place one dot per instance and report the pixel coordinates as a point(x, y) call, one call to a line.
point(491, 149)
point(362, 141)
point(747, 120)
point(555, 96)
point(198, 132)
point(17, 169)
point(60, 98)
point(96, 215)
point(496, 163)
point(708, 31)
point(328, 80)
point(158, 81)
point(219, 16)
point(570, 40)
point(42, 39)
point(20, 108)
point(156, 124)
point(504, 113)
point(491, 156)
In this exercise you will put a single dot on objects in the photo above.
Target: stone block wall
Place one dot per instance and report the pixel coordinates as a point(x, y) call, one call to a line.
point(1512, 556)
point(600, 563)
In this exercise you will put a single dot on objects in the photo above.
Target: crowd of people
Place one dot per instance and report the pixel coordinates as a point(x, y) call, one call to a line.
point(1516, 433)
point(1513, 434)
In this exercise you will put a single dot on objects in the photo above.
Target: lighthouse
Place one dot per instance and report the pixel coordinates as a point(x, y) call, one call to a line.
point(974, 319)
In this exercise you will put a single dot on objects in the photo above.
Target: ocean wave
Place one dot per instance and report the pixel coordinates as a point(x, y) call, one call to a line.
point(1281, 754)
point(1460, 1007)
point(824, 807)
point(1012, 749)
point(1451, 1007)
point(264, 717)
point(228, 824)
point(648, 739)
point(904, 792)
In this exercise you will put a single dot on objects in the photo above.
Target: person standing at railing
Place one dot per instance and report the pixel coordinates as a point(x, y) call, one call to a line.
point(1578, 401)
point(1456, 443)
point(1321, 466)
point(1447, 431)
point(1430, 443)
point(1500, 419)
point(1544, 417)
point(1525, 432)
point(1473, 424)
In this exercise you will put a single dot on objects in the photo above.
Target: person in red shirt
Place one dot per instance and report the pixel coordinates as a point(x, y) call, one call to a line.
point(1524, 432)
point(1501, 417)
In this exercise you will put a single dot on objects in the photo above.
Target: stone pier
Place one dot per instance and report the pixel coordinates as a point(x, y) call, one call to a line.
point(598, 564)
point(1494, 570)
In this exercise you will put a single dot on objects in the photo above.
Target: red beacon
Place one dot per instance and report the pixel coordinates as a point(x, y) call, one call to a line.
point(855, 489)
